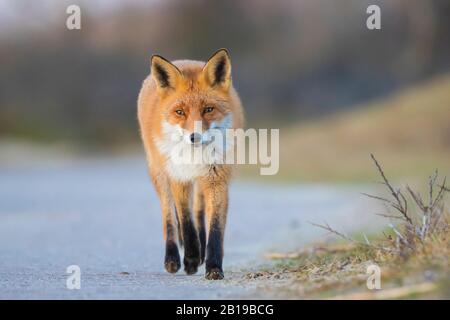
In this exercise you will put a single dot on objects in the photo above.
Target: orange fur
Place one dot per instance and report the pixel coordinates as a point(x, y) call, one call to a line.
point(200, 92)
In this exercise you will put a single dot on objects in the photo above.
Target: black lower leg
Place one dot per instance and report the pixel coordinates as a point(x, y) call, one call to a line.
point(202, 235)
point(214, 254)
point(172, 257)
point(191, 246)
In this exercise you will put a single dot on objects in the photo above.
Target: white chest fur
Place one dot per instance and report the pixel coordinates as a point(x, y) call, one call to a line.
point(186, 162)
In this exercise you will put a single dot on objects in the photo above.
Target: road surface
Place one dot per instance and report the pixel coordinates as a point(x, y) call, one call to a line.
point(103, 216)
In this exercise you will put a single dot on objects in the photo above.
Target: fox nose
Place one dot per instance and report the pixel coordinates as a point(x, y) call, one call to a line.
point(196, 137)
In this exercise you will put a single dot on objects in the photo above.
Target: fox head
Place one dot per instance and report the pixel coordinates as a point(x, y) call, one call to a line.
point(194, 96)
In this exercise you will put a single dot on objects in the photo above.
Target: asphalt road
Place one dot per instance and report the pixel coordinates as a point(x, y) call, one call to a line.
point(103, 216)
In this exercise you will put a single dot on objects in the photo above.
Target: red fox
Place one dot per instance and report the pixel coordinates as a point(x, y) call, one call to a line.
point(179, 104)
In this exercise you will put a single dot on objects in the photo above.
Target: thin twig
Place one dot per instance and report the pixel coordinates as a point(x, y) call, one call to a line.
point(390, 216)
point(417, 199)
point(441, 192)
point(331, 230)
point(401, 204)
point(376, 197)
point(431, 183)
point(345, 237)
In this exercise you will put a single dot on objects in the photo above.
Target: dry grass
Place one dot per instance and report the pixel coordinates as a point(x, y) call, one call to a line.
point(413, 254)
point(338, 271)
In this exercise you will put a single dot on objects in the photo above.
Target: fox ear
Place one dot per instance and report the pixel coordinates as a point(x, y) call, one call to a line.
point(217, 70)
point(165, 74)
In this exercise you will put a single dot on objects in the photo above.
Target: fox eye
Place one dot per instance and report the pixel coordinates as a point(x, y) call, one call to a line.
point(208, 109)
point(179, 112)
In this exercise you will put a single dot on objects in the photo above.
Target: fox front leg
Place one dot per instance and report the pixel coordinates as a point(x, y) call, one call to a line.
point(216, 206)
point(181, 193)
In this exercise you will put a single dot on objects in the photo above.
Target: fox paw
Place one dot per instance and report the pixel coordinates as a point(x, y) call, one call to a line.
point(191, 264)
point(172, 262)
point(214, 274)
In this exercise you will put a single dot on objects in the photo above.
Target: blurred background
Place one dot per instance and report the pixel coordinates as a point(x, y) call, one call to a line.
point(74, 187)
point(337, 90)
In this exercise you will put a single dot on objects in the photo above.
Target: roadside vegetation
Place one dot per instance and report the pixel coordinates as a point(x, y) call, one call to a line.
point(413, 253)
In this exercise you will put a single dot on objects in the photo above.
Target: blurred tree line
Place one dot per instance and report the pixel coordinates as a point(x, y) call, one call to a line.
point(292, 59)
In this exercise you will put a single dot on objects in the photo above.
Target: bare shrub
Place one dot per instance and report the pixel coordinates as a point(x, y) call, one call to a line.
point(420, 219)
